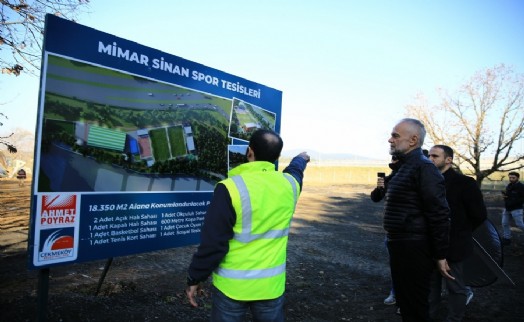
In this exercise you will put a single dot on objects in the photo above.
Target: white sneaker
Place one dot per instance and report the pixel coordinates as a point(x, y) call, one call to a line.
point(469, 296)
point(390, 300)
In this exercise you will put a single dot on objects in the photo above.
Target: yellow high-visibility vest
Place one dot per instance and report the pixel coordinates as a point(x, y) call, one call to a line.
point(264, 201)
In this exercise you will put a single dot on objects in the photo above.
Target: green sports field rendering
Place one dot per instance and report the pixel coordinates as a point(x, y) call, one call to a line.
point(139, 124)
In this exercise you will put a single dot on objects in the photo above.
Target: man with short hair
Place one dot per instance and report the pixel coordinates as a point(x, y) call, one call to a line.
point(245, 234)
point(416, 219)
point(468, 211)
point(513, 203)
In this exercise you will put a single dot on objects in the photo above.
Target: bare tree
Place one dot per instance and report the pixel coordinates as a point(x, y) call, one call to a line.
point(4, 139)
point(22, 28)
point(22, 25)
point(483, 120)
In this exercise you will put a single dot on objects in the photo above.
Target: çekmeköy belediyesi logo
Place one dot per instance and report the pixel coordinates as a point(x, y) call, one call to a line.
point(57, 231)
point(56, 244)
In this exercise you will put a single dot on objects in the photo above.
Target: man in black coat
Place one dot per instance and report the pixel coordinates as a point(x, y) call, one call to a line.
point(513, 200)
point(416, 219)
point(468, 211)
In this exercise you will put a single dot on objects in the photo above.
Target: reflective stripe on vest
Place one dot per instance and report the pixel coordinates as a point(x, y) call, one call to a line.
point(246, 236)
point(254, 273)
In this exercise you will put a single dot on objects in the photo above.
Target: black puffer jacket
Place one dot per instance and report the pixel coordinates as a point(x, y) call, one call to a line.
point(416, 206)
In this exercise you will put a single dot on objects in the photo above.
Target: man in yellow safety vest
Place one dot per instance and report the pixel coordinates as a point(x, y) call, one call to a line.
point(244, 238)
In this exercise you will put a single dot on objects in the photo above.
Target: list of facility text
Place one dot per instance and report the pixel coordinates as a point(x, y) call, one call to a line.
point(120, 223)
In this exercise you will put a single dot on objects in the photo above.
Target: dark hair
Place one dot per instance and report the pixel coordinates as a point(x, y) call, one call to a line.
point(448, 152)
point(513, 173)
point(266, 145)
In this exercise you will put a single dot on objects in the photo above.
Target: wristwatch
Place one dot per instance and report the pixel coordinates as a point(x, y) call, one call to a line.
point(191, 281)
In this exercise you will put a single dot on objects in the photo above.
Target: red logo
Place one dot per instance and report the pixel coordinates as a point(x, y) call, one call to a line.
point(58, 210)
point(59, 202)
point(57, 240)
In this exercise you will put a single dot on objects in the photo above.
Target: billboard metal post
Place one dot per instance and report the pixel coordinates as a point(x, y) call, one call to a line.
point(43, 291)
point(104, 273)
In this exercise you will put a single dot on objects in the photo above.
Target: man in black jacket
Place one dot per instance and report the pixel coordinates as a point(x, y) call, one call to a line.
point(377, 195)
point(468, 211)
point(513, 200)
point(416, 219)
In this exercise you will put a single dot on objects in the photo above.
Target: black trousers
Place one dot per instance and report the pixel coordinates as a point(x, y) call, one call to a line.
point(411, 267)
point(457, 292)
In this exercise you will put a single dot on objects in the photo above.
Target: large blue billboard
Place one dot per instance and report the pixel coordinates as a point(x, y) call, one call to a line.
point(130, 144)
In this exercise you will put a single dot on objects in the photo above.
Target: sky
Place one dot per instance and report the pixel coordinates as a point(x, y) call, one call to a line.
point(346, 69)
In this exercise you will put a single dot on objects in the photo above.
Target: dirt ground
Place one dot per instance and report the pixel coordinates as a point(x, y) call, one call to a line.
point(337, 269)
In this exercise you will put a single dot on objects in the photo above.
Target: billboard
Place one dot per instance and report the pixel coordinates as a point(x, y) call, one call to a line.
point(130, 143)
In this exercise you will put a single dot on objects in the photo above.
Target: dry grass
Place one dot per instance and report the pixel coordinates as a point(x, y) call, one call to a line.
point(367, 175)
point(329, 175)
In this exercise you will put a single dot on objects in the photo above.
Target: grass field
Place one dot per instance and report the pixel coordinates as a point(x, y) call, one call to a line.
point(245, 118)
point(55, 60)
point(177, 140)
point(70, 102)
point(342, 174)
point(367, 175)
point(67, 127)
point(159, 144)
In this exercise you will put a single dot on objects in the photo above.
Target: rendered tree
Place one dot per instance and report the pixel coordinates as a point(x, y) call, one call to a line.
point(22, 28)
point(483, 120)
